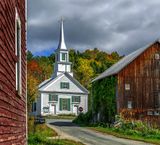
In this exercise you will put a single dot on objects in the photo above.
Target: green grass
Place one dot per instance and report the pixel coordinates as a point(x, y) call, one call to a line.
point(130, 129)
point(39, 135)
point(130, 134)
point(62, 116)
point(37, 139)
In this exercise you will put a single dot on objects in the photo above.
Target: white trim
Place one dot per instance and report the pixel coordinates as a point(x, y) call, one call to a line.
point(41, 96)
point(86, 103)
point(54, 81)
point(18, 78)
point(26, 6)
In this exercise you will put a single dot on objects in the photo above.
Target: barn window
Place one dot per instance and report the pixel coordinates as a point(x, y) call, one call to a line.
point(157, 99)
point(157, 56)
point(129, 105)
point(18, 54)
point(149, 112)
point(156, 112)
point(127, 87)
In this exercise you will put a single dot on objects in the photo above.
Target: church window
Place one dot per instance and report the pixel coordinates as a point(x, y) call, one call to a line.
point(46, 109)
point(65, 104)
point(76, 99)
point(53, 97)
point(64, 56)
point(64, 85)
point(18, 54)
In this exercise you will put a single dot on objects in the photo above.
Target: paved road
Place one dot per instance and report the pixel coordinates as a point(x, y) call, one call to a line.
point(87, 136)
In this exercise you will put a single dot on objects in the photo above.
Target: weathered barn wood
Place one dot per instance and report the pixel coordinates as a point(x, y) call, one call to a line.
point(12, 105)
point(138, 86)
point(143, 75)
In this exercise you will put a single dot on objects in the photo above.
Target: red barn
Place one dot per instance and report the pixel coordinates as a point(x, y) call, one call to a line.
point(138, 83)
point(13, 72)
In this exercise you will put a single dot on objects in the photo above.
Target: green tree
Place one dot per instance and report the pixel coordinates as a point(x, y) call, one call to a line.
point(29, 55)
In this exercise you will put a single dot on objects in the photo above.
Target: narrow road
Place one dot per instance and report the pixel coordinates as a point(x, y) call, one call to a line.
point(71, 131)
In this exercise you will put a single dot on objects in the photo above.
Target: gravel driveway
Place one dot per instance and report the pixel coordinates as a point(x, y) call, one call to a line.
point(66, 129)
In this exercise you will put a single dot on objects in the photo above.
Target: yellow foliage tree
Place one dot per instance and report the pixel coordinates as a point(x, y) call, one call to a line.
point(32, 90)
point(84, 71)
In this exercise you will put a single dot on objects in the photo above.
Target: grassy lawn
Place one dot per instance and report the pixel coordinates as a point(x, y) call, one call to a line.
point(128, 135)
point(39, 135)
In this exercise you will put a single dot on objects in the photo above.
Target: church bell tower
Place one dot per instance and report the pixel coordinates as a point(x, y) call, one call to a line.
point(62, 63)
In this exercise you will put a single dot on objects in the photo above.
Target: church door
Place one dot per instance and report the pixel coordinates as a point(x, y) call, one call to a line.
point(75, 109)
point(52, 109)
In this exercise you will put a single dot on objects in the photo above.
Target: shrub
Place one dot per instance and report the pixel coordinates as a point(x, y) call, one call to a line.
point(136, 128)
point(83, 119)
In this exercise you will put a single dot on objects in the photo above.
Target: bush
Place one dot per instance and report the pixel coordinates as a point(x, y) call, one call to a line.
point(31, 126)
point(83, 119)
point(136, 128)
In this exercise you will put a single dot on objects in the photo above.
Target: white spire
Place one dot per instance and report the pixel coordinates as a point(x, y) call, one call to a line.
point(62, 44)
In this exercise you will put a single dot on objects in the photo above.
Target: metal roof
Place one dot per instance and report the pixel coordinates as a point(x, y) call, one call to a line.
point(117, 67)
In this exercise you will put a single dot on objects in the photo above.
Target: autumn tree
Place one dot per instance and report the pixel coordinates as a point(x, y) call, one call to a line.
point(32, 90)
point(84, 71)
point(86, 65)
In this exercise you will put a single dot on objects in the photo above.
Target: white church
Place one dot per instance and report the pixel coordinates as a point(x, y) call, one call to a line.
point(62, 93)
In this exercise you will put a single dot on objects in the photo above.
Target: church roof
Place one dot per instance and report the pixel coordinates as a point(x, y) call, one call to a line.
point(76, 82)
point(117, 67)
point(49, 81)
point(62, 45)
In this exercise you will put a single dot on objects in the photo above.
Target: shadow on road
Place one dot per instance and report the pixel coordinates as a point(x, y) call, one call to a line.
point(62, 123)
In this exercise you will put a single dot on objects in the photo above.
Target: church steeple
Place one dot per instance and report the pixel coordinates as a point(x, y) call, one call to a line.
point(62, 63)
point(62, 45)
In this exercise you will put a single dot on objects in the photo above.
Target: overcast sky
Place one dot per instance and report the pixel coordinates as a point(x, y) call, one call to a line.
point(110, 25)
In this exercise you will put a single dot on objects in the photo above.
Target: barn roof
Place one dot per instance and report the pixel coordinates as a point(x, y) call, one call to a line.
point(117, 67)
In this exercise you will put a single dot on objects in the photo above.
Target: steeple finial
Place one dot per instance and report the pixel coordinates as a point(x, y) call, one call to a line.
point(62, 44)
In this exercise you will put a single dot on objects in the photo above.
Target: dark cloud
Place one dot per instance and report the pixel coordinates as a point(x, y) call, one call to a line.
point(122, 25)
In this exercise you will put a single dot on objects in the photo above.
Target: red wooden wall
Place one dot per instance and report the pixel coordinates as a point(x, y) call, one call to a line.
point(12, 106)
